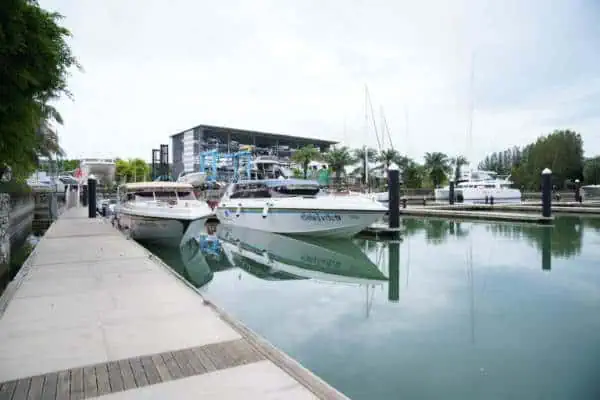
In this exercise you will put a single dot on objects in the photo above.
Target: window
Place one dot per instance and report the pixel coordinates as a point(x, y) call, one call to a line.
point(165, 196)
point(186, 195)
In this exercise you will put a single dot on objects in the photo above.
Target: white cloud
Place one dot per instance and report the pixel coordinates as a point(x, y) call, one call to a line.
point(155, 68)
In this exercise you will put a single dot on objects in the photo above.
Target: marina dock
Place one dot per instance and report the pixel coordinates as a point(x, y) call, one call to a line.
point(461, 212)
point(93, 313)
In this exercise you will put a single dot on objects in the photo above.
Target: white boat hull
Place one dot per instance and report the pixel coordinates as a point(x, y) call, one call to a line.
point(473, 195)
point(334, 223)
point(170, 232)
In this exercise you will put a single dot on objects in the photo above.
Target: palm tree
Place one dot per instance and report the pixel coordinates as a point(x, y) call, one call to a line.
point(47, 143)
point(338, 159)
point(438, 166)
point(458, 162)
point(363, 155)
point(305, 155)
point(387, 157)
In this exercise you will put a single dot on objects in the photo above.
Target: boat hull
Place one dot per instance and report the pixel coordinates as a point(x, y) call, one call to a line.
point(322, 223)
point(163, 231)
point(479, 196)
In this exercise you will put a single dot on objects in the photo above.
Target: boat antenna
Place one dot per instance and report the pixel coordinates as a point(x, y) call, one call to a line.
point(471, 108)
point(387, 128)
point(370, 105)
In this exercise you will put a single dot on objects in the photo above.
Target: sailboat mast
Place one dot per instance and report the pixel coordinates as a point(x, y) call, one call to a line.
point(370, 105)
point(471, 109)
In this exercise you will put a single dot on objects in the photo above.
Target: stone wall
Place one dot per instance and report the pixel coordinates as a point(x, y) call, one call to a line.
point(4, 233)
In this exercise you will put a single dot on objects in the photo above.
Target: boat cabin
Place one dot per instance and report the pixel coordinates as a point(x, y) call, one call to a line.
point(171, 192)
point(273, 188)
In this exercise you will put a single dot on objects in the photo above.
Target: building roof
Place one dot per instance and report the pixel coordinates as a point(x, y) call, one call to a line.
point(224, 129)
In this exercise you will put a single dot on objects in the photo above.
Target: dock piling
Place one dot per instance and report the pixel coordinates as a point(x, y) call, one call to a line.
point(394, 195)
point(547, 193)
point(91, 198)
point(451, 192)
point(578, 198)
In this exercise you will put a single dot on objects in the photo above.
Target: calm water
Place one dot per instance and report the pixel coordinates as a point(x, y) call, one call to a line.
point(454, 311)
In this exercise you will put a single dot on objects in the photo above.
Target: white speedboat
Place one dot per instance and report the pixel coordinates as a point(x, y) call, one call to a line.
point(292, 206)
point(476, 186)
point(166, 212)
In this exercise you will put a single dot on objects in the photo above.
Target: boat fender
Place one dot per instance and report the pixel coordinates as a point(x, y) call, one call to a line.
point(239, 210)
point(265, 210)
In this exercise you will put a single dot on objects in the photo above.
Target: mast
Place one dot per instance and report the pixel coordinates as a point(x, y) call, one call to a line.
point(370, 105)
point(471, 109)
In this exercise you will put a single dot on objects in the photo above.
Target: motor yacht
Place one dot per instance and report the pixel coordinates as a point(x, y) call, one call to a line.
point(293, 206)
point(160, 211)
point(475, 186)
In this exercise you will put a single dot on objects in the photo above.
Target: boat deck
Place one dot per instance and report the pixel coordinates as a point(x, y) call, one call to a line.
point(92, 313)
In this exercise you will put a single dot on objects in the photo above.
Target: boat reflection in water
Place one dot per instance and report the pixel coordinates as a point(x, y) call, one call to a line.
point(284, 257)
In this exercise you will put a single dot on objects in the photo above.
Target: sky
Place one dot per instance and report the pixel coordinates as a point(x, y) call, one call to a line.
point(516, 68)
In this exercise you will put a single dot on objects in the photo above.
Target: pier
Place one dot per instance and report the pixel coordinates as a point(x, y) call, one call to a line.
point(93, 313)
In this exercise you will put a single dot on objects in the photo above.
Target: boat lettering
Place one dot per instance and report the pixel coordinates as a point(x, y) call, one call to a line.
point(320, 217)
point(321, 262)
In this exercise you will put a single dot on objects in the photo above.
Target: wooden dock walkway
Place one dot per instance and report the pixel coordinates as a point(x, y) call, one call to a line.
point(464, 213)
point(92, 313)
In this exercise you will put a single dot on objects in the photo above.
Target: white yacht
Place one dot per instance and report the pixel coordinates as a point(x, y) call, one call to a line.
point(592, 191)
point(475, 186)
point(293, 206)
point(160, 211)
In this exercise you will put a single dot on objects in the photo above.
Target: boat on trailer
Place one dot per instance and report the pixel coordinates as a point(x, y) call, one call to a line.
point(160, 211)
point(296, 207)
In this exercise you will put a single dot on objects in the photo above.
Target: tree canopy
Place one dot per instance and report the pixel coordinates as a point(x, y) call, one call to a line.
point(305, 155)
point(561, 151)
point(132, 170)
point(35, 62)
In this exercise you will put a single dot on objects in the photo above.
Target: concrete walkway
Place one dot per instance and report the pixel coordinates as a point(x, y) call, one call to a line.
point(93, 313)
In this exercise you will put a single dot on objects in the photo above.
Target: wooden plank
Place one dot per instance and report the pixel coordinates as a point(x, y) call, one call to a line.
point(194, 361)
point(49, 392)
point(114, 377)
point(150, 370)
point(102, 379)
point(36, 387)
point(7, 389)
point(90, 386)
point(203, 358)
point(138, 372)
point(183, 362)
point(127, 375)
point(213, 353)
point(22, 389)
point(172, 365)
point(241, 352)
point(162, 369)
point(77, 383)
point(63, 385)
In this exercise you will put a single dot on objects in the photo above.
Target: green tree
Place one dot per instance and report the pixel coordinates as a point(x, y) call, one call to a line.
point(338, 159)
point(363, 155)
point(305, 155)
point(457, 162)
point(69, 165)
point(438, 167)
point(36, 61)
point(413, 174)
point(591, 171)
point(132, 170)
point(387, 157)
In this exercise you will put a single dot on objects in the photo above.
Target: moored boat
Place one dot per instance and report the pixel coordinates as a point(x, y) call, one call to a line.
point(292, 206)
point(162, 212)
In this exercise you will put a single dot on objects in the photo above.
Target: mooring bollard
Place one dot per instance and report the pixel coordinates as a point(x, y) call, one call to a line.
point(394, 195)
point(487, 200)
point(451, 192)
point(404, 201)
point(424, 201)
point(546, 193)
point(577, 191)
point(491, 200)
point(91, 193)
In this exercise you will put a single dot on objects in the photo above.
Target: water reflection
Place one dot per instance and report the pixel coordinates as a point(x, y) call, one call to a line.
point(286, 257)
point(467, 305)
